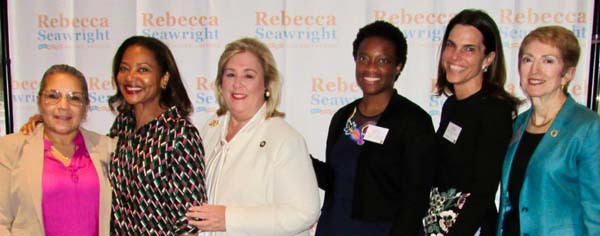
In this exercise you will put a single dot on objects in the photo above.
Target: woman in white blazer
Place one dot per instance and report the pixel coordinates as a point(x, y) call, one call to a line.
point(260, 178)
point(55, 180)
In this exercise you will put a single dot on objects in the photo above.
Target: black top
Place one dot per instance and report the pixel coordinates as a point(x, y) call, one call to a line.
point(392, 179)
point(335, 218)
point(523, 154)
point(473, 164)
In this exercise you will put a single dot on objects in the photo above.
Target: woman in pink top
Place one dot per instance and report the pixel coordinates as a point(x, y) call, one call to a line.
point(54, 181)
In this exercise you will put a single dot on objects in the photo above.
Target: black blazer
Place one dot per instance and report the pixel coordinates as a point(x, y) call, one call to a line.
point(393, 179)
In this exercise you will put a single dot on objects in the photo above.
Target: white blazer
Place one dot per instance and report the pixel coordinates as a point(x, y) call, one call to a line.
point(263, 176)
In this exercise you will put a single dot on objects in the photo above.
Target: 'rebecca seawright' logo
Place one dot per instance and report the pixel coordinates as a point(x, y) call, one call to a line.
point(62, 31)
point(282, 29)
point(182, 31)
point(328, 95)
point(205, 99)
point(426, 28)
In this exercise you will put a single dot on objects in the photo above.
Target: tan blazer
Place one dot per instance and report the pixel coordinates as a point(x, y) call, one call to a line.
point(21, 165)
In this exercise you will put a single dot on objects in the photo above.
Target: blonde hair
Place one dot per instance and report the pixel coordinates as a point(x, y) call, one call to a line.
point(271, 74)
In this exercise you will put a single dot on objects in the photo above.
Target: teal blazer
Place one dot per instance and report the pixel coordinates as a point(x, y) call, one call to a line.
point(561, 189)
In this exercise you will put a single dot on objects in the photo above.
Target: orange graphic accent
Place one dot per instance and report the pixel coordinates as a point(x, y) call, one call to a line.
point(62, 21)
point(404, 17)
point(510, 16)
point(168, 19)
point(202, 84)
point(285, 19)
point(97, 84)
point(337, 85)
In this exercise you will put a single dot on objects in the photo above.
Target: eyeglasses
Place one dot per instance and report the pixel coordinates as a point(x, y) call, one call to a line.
point(52, 97)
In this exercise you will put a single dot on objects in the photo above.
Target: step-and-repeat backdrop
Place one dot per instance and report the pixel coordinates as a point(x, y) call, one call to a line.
point(311, 41)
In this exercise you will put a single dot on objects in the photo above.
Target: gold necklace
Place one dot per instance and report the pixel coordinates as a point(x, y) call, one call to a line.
point(59, 154)
point(532, 121)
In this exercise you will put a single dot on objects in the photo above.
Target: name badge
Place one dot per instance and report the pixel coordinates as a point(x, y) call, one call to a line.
point(376, 134)
point(452, 132)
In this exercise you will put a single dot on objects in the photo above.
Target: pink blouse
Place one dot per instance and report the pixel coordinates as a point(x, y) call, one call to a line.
point(70, 194)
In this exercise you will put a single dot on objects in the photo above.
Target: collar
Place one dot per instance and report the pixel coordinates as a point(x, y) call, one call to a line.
point(255, 121)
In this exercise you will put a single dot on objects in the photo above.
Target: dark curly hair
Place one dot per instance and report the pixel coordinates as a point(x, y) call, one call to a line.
point(384, 30)
point(175, 93)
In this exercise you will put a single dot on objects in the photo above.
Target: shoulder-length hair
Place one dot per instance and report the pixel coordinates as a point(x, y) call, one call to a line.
point(174, 94)
point(271, 78)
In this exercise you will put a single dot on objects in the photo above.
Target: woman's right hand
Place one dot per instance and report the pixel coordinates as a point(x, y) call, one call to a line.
point(28, 127)
point(207, 218)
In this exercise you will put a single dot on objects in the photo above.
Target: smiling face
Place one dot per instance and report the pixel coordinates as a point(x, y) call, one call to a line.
point(542, 70)
point(376, 68)
point(463, 58)
point(139, 77)
point(243, 85)
point(61, 116)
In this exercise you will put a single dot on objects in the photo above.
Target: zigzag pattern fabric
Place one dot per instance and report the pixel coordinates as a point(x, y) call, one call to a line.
point(157, 173)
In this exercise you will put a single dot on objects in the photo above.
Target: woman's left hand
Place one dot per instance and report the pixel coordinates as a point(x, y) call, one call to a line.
point(207, 217)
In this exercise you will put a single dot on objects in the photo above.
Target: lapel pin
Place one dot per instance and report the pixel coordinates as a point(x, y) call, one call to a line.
point(263, 143)
point(213, 123)
point(554, 133)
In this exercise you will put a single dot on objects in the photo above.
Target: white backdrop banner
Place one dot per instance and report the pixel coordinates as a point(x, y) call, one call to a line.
point(311, 41)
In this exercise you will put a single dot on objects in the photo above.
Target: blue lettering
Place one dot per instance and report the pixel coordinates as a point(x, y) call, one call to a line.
point(25, 98)
point(207, 99)
point(99, 98)
point(312, 35)
point(192, 35)
point(260, 33)
point(317, 99)
point(81, 35)
point(41, 35)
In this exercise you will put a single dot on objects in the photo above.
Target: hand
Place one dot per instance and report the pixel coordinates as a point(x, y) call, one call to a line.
point(29, 127)
point(207, 217)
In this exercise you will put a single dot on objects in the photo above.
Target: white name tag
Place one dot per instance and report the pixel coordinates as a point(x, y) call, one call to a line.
point(452, 132)
point(376, 134)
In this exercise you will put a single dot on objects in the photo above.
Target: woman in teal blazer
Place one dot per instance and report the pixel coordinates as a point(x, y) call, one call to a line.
point(551, 174)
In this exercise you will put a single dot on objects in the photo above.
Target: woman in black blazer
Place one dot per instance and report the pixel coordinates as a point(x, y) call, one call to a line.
point(377, 183)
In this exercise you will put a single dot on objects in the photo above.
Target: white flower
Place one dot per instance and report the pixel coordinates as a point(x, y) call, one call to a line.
point(447, 219)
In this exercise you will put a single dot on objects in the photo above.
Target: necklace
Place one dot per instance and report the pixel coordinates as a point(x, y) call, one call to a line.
point(352, 130)
point(356, 129)
point(532, 122)
point(57, 153)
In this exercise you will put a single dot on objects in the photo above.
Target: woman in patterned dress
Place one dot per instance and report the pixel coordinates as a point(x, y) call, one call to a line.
point(475, 127)
point(157, 171)
point(259, 175)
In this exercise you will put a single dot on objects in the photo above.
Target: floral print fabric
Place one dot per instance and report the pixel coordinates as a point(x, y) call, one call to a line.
point(443, 211)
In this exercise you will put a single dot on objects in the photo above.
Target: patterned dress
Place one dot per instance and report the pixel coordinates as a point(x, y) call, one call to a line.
point(157, 173)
